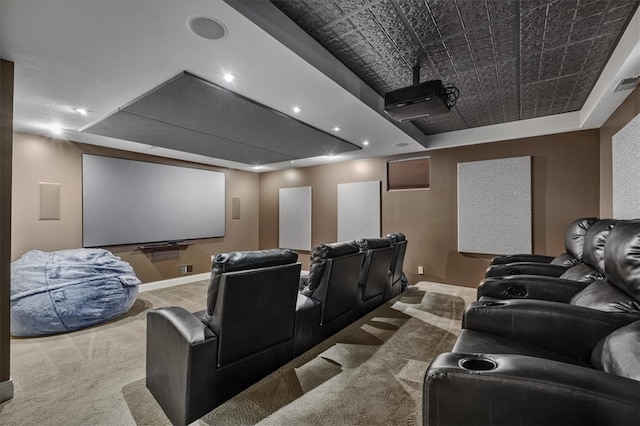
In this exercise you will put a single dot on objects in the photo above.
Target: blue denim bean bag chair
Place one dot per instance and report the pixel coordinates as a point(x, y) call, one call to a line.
point(56, 292)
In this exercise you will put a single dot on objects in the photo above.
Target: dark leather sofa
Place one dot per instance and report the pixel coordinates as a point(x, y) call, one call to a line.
point(346, 280)
point(541, 362)
point(531, 264)
point(197, 361)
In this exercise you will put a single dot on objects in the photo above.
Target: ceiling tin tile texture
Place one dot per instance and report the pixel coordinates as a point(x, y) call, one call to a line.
point(510, 60)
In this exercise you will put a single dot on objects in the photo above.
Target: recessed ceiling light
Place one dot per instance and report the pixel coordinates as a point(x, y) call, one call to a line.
point(365, 143)
point(55, 129)
point(81, 111)
point(256, 167)
point(291, 161)
point(206, 27)
point(296, 109)
point(229, 77)
point(336, 129)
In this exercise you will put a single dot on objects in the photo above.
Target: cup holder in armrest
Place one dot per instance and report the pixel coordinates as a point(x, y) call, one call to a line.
point(477, 364)
point(493, 303)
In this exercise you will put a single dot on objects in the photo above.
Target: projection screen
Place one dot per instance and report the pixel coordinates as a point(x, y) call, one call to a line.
point(135, 202)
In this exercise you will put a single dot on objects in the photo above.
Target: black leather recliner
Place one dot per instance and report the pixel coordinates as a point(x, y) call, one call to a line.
point(560, 289)
point(197, 361)
point(327, 299)
point(569, 369)
point(545, 265)
point(397, 260)
point(509, 389)
point(375, 274)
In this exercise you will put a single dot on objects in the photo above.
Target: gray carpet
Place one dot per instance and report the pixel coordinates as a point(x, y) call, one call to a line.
point(370, 373)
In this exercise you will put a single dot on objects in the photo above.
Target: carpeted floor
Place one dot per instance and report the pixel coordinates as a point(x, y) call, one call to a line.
point(370, 373)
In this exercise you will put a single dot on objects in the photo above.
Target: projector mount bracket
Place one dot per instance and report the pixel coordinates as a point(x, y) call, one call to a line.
point(451, 90)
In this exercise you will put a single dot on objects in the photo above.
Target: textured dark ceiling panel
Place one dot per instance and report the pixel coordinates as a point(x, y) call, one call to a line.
point(190, 114)
point(510, 60)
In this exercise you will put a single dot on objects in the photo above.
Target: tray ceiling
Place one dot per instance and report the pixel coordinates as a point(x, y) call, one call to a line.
point(510, 60)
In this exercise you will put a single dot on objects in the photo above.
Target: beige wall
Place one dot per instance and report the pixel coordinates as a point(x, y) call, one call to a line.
point(38, 159)
point(565, 186)
point(624, 114)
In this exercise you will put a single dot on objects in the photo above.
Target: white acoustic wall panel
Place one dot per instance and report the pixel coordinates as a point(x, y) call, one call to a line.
point(295, 218)
point(358, 210)
point(625, 154)
point(494, 206)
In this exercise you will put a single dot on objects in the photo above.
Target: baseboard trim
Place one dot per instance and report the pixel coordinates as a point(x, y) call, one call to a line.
point(6, 390)
point(155, 285)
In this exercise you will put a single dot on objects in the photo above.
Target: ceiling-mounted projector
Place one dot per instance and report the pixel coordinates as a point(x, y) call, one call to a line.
point(417, 101)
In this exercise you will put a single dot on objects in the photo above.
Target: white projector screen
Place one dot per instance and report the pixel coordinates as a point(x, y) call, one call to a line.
point(494, 206)
point(626, 171)
point(295, 218)
point(358, 210)
point(135, 202)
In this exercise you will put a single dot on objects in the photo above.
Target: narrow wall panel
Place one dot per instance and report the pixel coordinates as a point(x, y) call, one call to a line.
point(235, 208)
point(494, 206)
point(295, 218)
point(626, 171)
point(358, 210)
point(49, 201)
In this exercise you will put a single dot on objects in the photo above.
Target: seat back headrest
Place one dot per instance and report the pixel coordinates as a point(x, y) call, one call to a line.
point(574, 236)
point(241, 261)
point(594, 242)
point(622, 257)
point(373, 243)
point(396, 237)
point(333, 250)
point(319, 257)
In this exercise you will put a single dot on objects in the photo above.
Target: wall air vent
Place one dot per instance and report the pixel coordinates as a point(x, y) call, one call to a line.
point(627, 83)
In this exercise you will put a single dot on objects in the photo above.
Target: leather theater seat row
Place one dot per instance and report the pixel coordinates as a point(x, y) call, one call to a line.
point(588, 267)
point(534, 264)
point(563, 352)
point(260, 315)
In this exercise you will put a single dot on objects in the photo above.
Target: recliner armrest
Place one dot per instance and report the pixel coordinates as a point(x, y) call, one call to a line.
point(466, 389)
point(525, 268)
point(181, 363)
point(512, 258)
point(530, 287)
point(191, 328)
point(559, 327)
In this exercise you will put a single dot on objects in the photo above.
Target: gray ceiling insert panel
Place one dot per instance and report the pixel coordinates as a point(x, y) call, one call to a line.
point(123, 125)
point(190, 114)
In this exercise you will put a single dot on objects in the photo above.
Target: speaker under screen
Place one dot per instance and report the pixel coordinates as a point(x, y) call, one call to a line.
point(136, 202)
